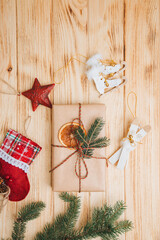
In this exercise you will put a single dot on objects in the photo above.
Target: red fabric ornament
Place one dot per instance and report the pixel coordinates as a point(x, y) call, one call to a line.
point(16, 154)
point(39, 94)
point(16, 179)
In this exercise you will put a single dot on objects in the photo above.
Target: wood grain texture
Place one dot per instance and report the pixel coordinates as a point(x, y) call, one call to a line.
point(142, 177)
point(8, 104)
point(106, 36)
point(37, 37)
point(34, 60)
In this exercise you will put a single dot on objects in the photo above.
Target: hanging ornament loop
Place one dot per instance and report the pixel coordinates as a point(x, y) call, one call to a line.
point(135, 95)
point(12, 89)
point(65, 67)
point(134, 137)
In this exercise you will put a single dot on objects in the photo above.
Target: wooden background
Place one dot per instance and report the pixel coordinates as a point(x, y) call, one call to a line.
point(39, 36)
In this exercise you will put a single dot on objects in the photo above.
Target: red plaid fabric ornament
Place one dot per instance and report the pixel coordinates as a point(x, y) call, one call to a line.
point(16, 154)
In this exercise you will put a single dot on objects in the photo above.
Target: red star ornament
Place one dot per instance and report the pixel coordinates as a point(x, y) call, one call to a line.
point(39, 94)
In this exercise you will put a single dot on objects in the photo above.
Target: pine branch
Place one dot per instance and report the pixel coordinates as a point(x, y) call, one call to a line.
point(73, 210)
point(123, 226)
point(80, 135)
point(19, 230)
point(27, 213)
point(100, 142)
point(95, 129)
point(30, 211)
point(101, 225)
point(47, 233)
point(64, 223)
point(90, 141)
point(118, 210)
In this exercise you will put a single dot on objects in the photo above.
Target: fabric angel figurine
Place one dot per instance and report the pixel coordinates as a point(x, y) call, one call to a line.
point(134, 136)
point(105, 73)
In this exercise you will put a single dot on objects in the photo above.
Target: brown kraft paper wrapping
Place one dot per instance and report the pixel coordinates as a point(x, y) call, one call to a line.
point(64, 177)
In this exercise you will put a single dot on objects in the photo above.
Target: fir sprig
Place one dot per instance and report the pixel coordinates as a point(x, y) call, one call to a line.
point(27, 213)
point(103, 222)
point(91, 140)
point(64, 223)
point(100, 142)
point(95, 129)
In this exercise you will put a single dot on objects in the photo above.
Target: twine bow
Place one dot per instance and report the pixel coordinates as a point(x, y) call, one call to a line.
point(80, 155)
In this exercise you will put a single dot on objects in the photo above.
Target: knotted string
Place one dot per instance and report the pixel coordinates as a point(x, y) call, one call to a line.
point(15, 92)
point(80, 155)
point(130, 137)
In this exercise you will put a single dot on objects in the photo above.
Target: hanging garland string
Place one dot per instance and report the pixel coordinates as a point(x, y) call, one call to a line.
point(65, 67)
point(134, 115)
point(15, 92)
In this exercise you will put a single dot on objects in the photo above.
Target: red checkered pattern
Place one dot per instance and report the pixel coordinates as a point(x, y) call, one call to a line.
point(20, 147)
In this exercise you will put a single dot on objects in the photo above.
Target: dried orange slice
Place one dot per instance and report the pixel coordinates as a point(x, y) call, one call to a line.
point(66, 136)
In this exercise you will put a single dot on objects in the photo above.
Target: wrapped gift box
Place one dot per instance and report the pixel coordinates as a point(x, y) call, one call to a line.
point(64, 177)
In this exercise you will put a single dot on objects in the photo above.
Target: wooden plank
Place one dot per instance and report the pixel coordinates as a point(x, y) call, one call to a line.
point(8, 103)
point(69, 38)
point(36, 38)
point(105, 33)
point(142, 176)
point(34, 60)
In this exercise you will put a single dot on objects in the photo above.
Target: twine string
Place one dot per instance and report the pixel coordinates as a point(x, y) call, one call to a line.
point(63, 160)
point(27, 124)
point(130, 138)
point(65, 67)
point(134, 115)
point(15, 92)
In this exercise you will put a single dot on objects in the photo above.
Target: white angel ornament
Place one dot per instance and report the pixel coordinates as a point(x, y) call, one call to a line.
point(105, 73)
point(134, 137)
